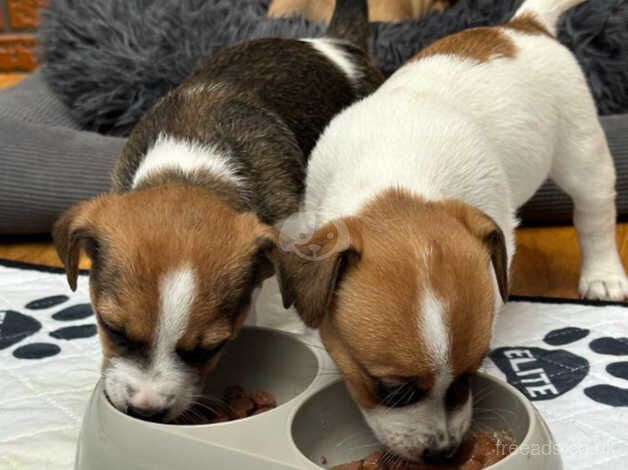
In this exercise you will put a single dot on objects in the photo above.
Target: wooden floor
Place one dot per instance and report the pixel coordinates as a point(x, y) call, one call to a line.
point(8, 79)
point(546, 264)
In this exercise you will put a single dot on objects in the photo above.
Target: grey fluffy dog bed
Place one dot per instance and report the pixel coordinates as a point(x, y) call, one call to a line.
point(109, 60)
point(106, 61)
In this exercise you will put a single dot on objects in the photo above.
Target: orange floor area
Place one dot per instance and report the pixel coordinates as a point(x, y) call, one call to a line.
point(8, 79)
point(547, 262)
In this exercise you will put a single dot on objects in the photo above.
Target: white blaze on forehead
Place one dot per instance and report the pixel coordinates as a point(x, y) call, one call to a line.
point(433, 330)
point(336, 54)
point(164, 382)
point(170, 153)
point(177, 291)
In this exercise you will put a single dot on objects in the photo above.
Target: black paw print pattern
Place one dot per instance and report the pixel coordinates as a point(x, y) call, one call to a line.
point(545, 374)
point(609, 394)
point(15, 327)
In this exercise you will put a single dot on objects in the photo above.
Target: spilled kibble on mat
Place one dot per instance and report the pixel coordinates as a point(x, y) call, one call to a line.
point(236, 404)
point(478, 451)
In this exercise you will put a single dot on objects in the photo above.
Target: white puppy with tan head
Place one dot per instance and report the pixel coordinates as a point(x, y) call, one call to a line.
point(426, 176)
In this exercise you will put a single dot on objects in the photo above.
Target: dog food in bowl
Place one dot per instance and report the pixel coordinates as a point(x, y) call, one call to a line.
point(478, 451)
point(236, 404)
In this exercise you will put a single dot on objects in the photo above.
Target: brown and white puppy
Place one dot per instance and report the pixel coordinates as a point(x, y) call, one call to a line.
point(413, 193)
point(393, 11)
point(183, 240)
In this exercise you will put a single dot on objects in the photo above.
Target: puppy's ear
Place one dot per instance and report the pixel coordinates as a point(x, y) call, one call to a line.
point(265, 259)
point(485, 228)
point(71, 232)
point(309, 273)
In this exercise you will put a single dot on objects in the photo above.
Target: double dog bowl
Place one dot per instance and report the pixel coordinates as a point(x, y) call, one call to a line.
point(315, 420)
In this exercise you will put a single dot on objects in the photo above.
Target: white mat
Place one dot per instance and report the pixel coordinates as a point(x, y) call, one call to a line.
point(563, 357)
point(42, 400)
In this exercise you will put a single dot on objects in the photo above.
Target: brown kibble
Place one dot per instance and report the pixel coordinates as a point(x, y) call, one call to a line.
point(472, 465)
point(322, 460)
point(373, 461)
point(232, 392)
point(263, 399)
point(241, 407)
point(219, 419)
point(404, 465)
point(357, 465)
point(220, 412)
point(478, 451)
point(262, 409)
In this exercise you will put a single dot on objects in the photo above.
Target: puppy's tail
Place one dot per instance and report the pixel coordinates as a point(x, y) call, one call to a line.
point(350, 22)
point(546, 12)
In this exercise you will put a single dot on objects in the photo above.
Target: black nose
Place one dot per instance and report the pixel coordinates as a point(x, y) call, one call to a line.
point(156, 415)
point(439, 456)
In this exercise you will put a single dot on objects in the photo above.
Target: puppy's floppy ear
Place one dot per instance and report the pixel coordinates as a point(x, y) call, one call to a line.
point(485, 228)
point(309, 273)
point(265, 257)
point(71, 232)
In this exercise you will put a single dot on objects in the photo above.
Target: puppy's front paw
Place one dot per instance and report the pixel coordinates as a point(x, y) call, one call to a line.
point(603, 285)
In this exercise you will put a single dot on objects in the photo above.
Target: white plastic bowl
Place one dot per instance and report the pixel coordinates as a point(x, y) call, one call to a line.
point(314, 418)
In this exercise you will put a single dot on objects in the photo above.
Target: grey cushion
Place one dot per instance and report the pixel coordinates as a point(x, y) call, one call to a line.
point(47, 164)
point(551, 206)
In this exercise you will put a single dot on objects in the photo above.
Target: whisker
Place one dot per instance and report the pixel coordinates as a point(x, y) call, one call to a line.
point(347, 439)
point(365, 446)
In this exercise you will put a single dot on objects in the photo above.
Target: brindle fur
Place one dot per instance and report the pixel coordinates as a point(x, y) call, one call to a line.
point(264, 103)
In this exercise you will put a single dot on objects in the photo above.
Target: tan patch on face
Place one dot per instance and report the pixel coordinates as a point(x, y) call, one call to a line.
point(479, 44)
point(144, 235)
point(408, 245)
point(528, 23)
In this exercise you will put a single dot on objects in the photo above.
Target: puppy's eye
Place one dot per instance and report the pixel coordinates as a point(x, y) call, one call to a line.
point(398, 394)
point(458, 392)
point(120, 339)
point(200, 354)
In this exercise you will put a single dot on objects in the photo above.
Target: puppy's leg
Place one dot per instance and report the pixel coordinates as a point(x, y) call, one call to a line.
point(584, 169)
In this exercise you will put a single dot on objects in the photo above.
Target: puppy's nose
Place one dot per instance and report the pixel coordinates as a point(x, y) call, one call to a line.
point(439, 456)
point(156, 415)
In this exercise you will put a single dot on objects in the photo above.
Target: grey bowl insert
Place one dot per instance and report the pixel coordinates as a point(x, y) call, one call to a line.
point(329, 423)
point(264, 359)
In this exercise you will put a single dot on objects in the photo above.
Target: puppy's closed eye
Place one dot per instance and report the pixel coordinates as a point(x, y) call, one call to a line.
point(120, 339)
point(200, 354)
point(458, 391)
point(397, 394)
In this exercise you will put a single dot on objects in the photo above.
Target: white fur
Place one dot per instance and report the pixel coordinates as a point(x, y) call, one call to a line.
point(547, 11)
point(164, 382)
point(488, 134)
point(432, 329)
point(201, 88)
point(330, 49)
point(410, 430)
point(188, 156)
